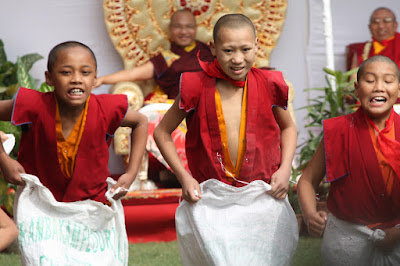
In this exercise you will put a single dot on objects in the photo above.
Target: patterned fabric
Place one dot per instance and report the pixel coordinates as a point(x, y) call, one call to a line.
point(155, 113)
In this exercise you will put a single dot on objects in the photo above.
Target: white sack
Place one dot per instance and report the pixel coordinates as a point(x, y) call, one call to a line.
point(236, 226)
point(68, 233)
point(346, 243)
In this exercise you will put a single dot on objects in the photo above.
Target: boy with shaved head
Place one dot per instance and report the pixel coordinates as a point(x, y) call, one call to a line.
point(240, 145)
point(360, 156)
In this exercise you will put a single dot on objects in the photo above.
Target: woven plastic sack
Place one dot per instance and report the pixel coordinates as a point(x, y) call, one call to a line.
point(68, 233)
point(236, 226)
point(346, 243)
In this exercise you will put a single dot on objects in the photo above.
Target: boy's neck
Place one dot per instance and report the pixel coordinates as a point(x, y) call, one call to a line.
point(70, 112)
point(226, 85)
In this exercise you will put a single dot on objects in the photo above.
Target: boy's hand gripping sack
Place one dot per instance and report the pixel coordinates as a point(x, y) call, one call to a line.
point(68, 233)
point(236, 226)
point(346, 243)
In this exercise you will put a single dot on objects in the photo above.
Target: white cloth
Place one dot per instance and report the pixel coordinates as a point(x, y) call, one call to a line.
point(68, 233)
point(346, 243)
point(236, 226)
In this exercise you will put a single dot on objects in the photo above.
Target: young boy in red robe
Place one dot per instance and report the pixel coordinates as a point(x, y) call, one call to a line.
point(65, 133)
point(239, 133)
point(360, 155)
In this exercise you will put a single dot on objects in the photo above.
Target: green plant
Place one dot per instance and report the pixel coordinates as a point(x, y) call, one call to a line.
point(328, 104)
point(13, 76)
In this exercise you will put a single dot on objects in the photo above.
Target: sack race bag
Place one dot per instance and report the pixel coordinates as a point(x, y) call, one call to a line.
point(346, 243)
point(68, 233)
point(236, 226)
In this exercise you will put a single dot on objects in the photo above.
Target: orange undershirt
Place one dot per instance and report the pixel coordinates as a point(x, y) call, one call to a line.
point(386, 169)
point(379, 46)
point(68, 148)
point(230, 170)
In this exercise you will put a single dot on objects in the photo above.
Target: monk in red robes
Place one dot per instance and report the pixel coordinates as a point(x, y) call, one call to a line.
point(360, 156)
point(385, 40)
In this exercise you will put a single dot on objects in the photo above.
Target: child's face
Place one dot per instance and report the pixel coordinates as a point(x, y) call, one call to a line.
point(73, 76)
point(378, 89)
point(235, 50)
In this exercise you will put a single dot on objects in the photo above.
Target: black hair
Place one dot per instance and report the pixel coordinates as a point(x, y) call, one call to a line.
point(64, 45)
point(377, 58)
point(232, 21)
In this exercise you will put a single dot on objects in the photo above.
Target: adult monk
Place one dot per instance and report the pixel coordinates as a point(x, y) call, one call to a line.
point(167, 67)
point(385, 40)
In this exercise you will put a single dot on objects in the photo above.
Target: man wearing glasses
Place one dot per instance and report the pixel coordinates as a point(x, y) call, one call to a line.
point(385, 40)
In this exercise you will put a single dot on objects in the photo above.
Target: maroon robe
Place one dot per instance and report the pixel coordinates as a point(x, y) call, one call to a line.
point(168, 77)
point(358, 191)
point(203, 140)
point(36, 112)
point(392, 50)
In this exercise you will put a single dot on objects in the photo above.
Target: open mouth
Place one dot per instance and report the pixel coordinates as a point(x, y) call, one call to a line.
point(76, 92)
point(378, 99)
point(237, 68)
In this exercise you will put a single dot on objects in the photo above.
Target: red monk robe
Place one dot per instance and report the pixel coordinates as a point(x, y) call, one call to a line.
point(366, 50)
point(169, 65)
point(358, 193)
point(38, 147)
point(203, 138)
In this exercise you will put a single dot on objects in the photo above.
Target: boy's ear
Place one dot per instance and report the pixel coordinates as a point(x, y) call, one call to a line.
point(48, 78)
point(212, 48)
point(356, 87)
point(95, 79)
point(398, 91)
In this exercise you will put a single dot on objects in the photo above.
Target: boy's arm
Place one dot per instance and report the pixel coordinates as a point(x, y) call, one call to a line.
point(307, 186)
point(138, 123)
point(143, 72)
point(162, 136)
point(391, 240)
point(280, 179)
point(10, 168)
point(8, 230)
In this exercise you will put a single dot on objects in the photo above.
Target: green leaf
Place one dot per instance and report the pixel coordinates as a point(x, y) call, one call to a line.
point(350, 72)
point(24, 78)
point(329, 71)
point(3, 56)
point(30, 59)
point(45, 88)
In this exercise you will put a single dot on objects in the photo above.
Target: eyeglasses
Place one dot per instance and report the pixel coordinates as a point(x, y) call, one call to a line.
point(384, 20)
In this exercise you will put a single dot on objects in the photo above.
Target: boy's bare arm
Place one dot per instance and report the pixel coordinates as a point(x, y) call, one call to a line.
point(280, 179)
point(138, 123)
point(162, 136)
point(10, 168)
point(391, 240)
point(308, 183)
point(143, 72)
point(8, 230)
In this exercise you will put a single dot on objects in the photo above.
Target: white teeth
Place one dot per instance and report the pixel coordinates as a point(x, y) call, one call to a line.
point(76, 91)
point(379, 99)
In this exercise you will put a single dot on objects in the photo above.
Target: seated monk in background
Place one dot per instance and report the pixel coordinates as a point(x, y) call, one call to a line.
point(385, 40)
point(166, 68)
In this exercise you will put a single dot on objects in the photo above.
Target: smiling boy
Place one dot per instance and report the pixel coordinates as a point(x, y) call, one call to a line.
point(239, 133)
point(65, 133)
point(360, 155)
